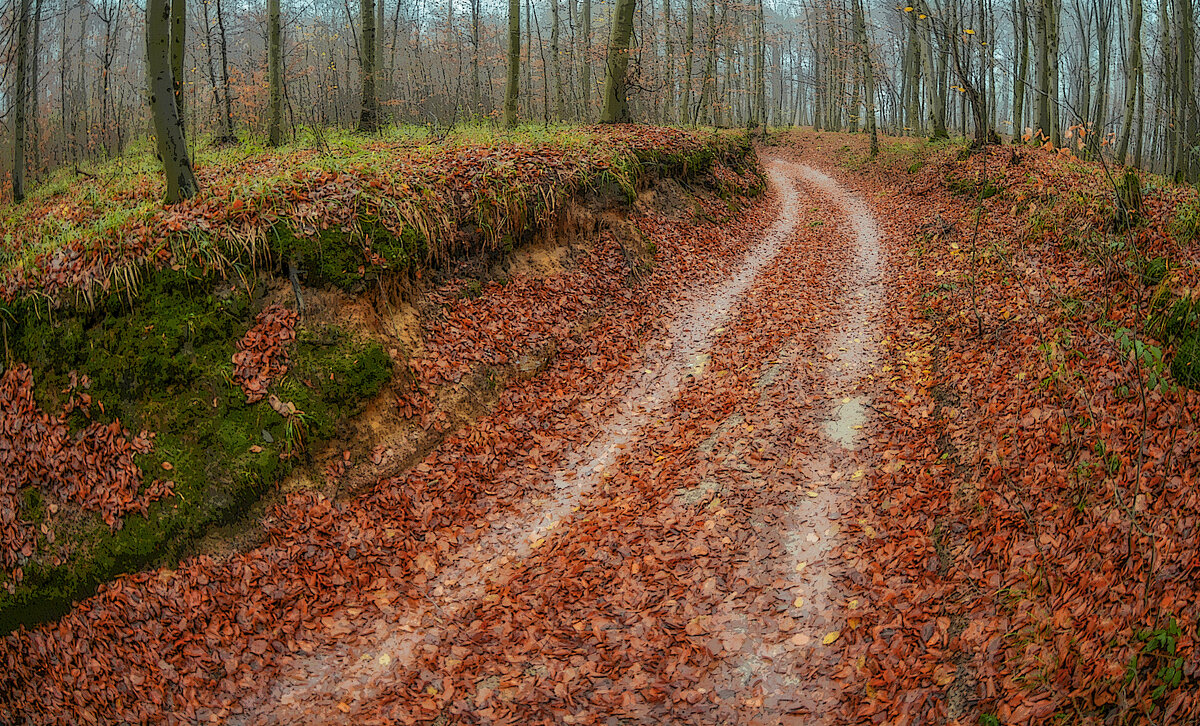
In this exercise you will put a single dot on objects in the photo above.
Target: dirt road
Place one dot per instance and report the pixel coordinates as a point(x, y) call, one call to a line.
point(653, 529)
point(750, 516)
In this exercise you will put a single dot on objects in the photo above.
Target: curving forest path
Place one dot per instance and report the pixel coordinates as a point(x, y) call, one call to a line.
point(872, 450)
point(661, 527)
point(747, 520)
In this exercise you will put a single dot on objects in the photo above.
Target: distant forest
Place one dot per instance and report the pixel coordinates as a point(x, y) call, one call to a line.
point(1093, 76)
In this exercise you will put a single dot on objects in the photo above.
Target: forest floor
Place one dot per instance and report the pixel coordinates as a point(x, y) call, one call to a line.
point(880, 448)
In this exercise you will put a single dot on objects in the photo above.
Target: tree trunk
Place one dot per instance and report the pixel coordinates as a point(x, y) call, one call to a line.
point(1053, 34)
point(860, 25)
point(1042, 84)
point(1186, 90)
point(275, 75)
point(685, 100)
point(368, 120)
point(1133, 71)
point(529, 58)
point(911, 97)
point(1021, 35)
point(178, 40)
point(760, 89)
point(212, 63)
point(1169, 122)
point(668, 64)
point(723, 102)
point(933, 92)
point(476, 100)
point(227, 90)
point(34, 56)
point(585, 67)
point(168, 127)
point(560, 101)
point(20, 95)
point(709, 79)
point(616, 104)
point(380, 24)
point(1103, 14)
point(1141, 116)
point(513, 88)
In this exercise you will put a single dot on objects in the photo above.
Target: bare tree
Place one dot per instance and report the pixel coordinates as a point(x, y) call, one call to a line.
point(275, 75)
point(168, 126)
point(513, 87)
point(616, 103)
point(20, 96)
point(368, 120)
point(860, 25)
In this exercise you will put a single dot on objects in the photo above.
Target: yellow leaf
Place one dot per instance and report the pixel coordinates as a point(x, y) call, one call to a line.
point(968, 31)
point(798, 602)
point(831, 637)
point(922, 16)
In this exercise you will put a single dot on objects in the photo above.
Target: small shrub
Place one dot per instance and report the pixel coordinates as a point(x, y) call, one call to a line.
point(970, 187)
point(1185, 225)
point(1151, 270)
point(1178, 320)
point(1185, 366)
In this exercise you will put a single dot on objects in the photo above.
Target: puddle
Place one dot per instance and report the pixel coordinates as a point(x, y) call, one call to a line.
point(848, 420)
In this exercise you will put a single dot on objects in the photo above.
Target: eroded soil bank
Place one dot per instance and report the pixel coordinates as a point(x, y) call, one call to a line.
point(147, 402)
point(523, 342)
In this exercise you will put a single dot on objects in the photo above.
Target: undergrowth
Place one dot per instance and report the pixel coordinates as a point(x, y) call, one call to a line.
point(147, 304)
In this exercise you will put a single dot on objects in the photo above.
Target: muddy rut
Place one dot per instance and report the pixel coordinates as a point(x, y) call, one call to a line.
point(768, 633)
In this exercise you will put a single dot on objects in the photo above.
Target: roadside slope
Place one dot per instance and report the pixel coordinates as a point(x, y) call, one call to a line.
point(164, 367)
point(188, 642)
point(1030, 538)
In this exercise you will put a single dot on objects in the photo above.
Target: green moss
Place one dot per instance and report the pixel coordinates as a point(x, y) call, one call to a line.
point(1130, 208)
point(1177, 319)
point(472, 290)
point(165, 365)
point(32, 507)
point(1185, 224)
point(1150, 270)
point(1185, 366)
point(970, 187)
point(338, 369)
point(338, 256)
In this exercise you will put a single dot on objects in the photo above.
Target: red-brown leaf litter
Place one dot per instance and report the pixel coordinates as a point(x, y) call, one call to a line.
point(874, 449)
point(262, 351)
point(94, 468)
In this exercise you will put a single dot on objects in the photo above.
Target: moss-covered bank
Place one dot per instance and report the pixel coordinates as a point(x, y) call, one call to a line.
point(164, 365)
point(155, 335)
